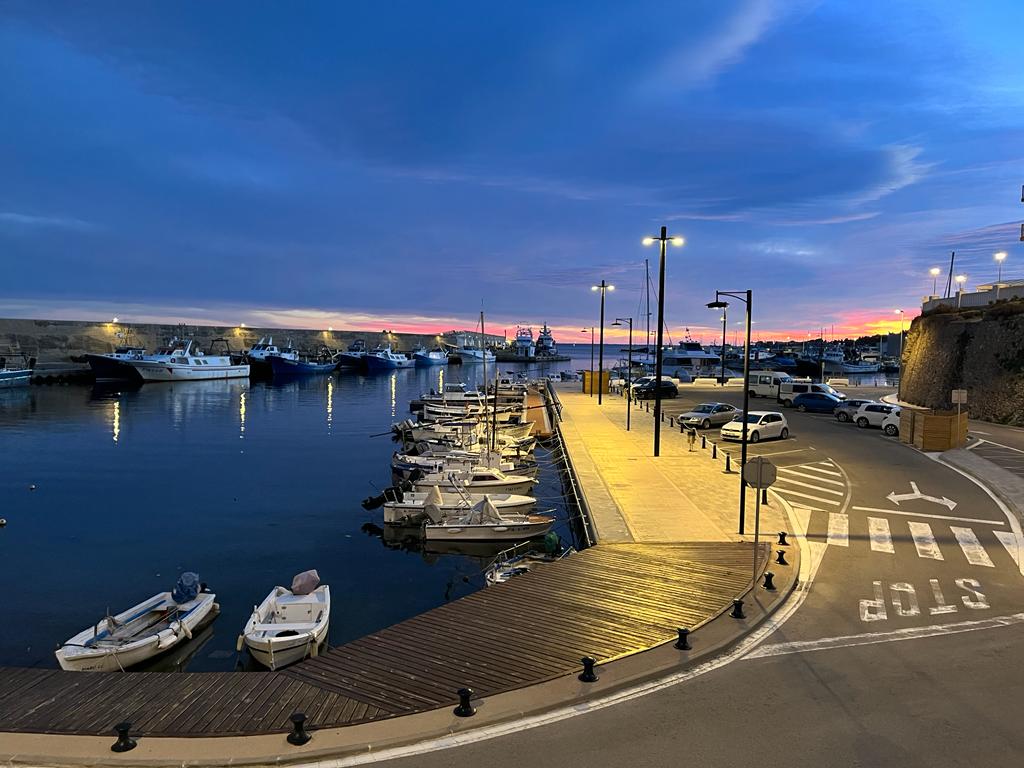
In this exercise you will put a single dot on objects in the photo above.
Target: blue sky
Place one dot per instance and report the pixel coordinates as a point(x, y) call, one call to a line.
point(394, 164)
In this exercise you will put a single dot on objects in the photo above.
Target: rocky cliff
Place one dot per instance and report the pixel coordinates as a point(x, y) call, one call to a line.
point(980, 350)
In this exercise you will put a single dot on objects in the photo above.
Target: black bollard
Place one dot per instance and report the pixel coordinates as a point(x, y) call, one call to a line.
point(781, 559)
point(703, 441)
point(683, 643)
point(465, 709)
point(681, 428)
point(671, 421)
point(714, 450)
point(764, 495)
point(782, 539)
point(769, 582)
point(124, 741)
point(588, 675)
point(737, 609)
point(728, 466)
point(299, 734)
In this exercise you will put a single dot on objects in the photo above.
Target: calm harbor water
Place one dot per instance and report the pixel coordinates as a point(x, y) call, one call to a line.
point(246, 483)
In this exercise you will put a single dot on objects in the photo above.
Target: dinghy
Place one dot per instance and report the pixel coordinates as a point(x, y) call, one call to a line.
point(290, 624)
point(142, 632)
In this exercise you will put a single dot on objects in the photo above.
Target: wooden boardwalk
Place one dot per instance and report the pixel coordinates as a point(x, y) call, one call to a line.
point(606, 602)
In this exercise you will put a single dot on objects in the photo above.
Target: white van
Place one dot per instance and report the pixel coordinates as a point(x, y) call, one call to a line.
point(767, 383)
point(789, 390)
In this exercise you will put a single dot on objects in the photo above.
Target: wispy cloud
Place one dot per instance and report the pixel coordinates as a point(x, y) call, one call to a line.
point(27, 220)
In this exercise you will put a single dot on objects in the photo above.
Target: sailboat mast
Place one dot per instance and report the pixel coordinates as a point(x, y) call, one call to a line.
point(483, 357)
point(647, 283)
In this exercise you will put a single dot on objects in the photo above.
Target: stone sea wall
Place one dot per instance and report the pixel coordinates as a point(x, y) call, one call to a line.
point(980, 350)
point(56, 341)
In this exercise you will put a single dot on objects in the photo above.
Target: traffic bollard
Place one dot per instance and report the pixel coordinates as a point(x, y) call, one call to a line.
point(714, 450)
point(465, 709)
point(588, 675)
point(703, 441)
point(764, 495)
point(782, 539)
point(683, 643)
point(728, 465)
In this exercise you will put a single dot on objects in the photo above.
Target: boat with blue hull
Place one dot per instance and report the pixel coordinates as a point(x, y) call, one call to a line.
point(15, 377)
point(386, 359)
point(284, 366)
point(424, 358)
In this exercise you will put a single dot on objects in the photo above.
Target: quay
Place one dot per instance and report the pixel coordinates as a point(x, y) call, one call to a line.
point(667, 556)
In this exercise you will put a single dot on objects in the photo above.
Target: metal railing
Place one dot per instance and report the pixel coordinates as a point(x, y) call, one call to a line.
point(574, 491)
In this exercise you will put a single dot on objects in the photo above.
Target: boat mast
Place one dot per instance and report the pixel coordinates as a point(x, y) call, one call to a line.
point(483, 357)
point(647, 283)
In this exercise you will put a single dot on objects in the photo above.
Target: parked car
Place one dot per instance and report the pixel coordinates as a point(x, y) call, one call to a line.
point(816, 402)
point(760, 425)
point(845, 410)
point(706, 415)
point(891, 423)
point(873, 414)
point(650, 389)
point(789, 390)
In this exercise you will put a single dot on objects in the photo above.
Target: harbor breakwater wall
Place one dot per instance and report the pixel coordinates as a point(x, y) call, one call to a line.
point(978, 349)
point(58, 341)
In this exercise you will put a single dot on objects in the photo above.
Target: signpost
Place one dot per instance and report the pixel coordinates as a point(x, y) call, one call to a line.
point(759, 473)
point(960, 398)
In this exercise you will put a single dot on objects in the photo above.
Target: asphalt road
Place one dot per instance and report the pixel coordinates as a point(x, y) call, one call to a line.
point(901, 653)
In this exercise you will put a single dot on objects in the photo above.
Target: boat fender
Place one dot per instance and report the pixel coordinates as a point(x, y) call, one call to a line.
point(314, 651)
point(240, 643)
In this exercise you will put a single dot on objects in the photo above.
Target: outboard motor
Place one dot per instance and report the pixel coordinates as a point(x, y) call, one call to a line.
point(187, 588)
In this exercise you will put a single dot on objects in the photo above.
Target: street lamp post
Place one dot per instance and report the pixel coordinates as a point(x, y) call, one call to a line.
point(603, 288)
point(725, 317)
point(591, 358)
point(663, 240)
point(899, 381)
point(629, 367)
point(1000, 258)
point(934, 272)
point(960, 281)
point(747, 298)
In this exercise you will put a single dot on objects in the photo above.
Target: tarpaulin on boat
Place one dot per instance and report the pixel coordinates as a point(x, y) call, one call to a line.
point(304, 583)
point(187, 587)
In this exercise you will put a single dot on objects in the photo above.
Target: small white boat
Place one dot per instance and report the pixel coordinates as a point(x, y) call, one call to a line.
point(290, 624)
point(402, 465)
point(484, 522)
point(476, 480)
point(414, 507)
point(140, 633)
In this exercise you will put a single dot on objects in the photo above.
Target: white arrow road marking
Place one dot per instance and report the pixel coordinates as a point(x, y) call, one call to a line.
point(932, 517)
point(878, 532)
point(973, 551)
point(896, 498)
point(838, 530)
point(925, 541)
point(871, 638)
point(1011, 543)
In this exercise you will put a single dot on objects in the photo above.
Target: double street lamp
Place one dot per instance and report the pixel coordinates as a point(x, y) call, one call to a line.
point(629, 366)
point(663, 240)
point(746, 298)
point(603, 288)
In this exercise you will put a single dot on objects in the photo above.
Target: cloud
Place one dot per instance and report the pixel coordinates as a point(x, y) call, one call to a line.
point(33, 221)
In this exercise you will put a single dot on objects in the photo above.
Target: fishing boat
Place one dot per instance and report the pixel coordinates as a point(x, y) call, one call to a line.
point(111, 365)
point(141, 632)
point(290, 624)
point(285, 366)
point(353, 357)
point(14, 377)
point(424, 358)
point(258, 356)
point(385, 359)
point(475, 355)
point(475, 480)
point(413, 507)
point(485, 521)
point(185, 362)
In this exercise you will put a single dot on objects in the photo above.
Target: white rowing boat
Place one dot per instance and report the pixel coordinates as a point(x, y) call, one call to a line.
point(290, 624)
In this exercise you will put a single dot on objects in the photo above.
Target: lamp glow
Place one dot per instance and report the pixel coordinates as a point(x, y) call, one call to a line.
point(648, 241)
point(677, 241)
point(1000, 256)
point(934, 271)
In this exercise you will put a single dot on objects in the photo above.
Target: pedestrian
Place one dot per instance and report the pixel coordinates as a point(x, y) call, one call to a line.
point(691, 437)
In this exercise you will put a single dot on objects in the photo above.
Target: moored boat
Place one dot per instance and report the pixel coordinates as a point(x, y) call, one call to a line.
point(186, 362)
point(284, 366)
point(259, 354)
point(484, 521)
point(141, 632)
point(354, 356)
point(111, 366)
point(475, 480)
point(411, 508)
point(385, 359)
point(423, 358)
point(15, 377)
point(290, 624)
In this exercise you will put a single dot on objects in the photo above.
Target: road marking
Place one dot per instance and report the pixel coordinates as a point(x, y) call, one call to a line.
point(838, 530)
point(1001, 445)
point(808, 485)
point(822, 471)
point(1011, 543)
point(915, 493)
point(833, 502)
point(779, 453)
point(925, 541)
point(934, 517)
point(790, 471)
point(878, 532)
point(872, 638)
point(973, 551)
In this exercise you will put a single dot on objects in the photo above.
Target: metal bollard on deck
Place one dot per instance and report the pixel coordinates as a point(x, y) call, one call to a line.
point(299, 734)
point(781, 558)
point(737, 609)
point(728, 464)
point(671, 422)
point(465, 709)
point(769, 583)
point(782, 539)
point(714, 450)
point(764, 495)
point(683, 643)
point(703, 441)
point(124, 742)
point(588, 676)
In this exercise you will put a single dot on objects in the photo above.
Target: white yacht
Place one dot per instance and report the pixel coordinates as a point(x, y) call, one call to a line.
point(183, 361)
point(476, 480)
point(411, 508)
point(475, 355)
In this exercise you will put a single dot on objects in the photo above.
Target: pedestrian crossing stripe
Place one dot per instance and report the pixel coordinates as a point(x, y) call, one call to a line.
point(968, 541)
point(820, 470)
point(881, 538)
point(924, 541)
point(787, 481)
point(838, 529)
point(786, 493)
point(787, 471)
point(1009, 540)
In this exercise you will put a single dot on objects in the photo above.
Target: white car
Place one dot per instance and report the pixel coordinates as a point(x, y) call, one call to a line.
point(761, 425)
point(891, 423)
point(873, 414)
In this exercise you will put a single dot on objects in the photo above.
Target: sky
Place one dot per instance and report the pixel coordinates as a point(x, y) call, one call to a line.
point(402, 165)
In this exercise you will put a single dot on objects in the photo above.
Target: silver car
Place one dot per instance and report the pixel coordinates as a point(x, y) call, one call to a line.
point(707, 415)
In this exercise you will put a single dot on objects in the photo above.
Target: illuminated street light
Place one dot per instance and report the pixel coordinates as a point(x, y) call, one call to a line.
point(603, 288)
point(629, 367)
point(934, 272)
point(664, 240)
point(1000, 257)
point(960, 280)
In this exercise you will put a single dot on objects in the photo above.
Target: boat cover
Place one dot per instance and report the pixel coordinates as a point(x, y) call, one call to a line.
point(304, 583)
point(187, 587)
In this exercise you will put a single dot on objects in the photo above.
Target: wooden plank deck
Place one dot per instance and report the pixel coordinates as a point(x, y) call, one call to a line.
point(605, 602)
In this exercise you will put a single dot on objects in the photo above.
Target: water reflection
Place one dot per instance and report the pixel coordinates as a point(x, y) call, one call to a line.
point(330, 403)
point(241, 415)
point(394, 392)
point(117, 419)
